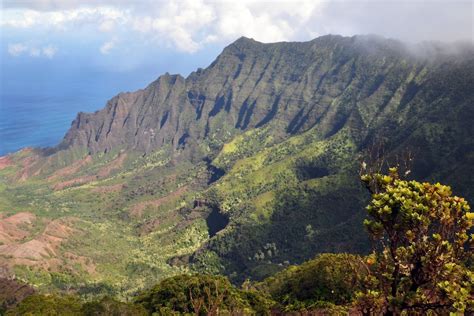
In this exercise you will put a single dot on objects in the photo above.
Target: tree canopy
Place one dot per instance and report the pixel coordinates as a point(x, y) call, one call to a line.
point(421, 245)
point(202, 295)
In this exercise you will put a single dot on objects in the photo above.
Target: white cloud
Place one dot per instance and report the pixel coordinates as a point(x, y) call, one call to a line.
point(107, 26)
point(177, 23)
point(56, 5)
point(102, 17)
point(35, 52)
point(107, 47)
point(189, 25)
point(186, 25)
point(17, 49)
point(49, 51)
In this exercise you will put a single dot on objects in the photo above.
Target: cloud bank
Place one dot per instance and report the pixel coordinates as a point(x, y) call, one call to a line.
point(18, 49)
point(190, 25)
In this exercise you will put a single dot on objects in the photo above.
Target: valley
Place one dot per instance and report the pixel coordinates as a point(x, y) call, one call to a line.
point(242, 169)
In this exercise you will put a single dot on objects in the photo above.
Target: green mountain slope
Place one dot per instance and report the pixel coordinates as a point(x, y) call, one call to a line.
point(241, 168)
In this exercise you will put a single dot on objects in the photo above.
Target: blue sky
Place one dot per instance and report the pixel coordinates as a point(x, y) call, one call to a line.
point(178, 36)
point(89, 50)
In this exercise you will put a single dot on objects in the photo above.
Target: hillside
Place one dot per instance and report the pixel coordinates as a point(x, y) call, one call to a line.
point(241, 168)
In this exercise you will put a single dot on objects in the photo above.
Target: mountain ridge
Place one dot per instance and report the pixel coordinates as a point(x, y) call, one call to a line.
point(245, 166)
point(227, 66)
point(212, 89)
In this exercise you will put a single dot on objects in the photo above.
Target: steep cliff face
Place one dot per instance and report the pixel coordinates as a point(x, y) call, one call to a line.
point(141, 120)
point(328, 81)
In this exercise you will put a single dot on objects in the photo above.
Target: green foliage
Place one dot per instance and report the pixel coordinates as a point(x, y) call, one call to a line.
point(272, 196)
point(110, 307)
point(330, 278)
point(69, 305)
point(201, 295)
point(48, 305)
point(207, 262)
point(421, 231)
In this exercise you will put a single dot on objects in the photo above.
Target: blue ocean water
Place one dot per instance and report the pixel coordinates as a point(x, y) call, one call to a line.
point(39, 101)
point(39, 117)
point(40, 120)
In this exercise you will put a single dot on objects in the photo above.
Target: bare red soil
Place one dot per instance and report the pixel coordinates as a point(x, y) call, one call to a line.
point(137, 209)
point(102, 173)
point(20, 245)
point(70, 170)
point(5, 161)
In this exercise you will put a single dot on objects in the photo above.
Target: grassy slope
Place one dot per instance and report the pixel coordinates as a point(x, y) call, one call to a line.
point(125, 254)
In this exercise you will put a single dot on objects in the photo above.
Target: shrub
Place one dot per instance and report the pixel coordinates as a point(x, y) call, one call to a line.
point(418, 265)
point(108, 306)
point(201, 295)
point(331, 278)
point(50, 305)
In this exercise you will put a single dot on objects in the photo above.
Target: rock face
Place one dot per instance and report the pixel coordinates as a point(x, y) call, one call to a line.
point(330, 81)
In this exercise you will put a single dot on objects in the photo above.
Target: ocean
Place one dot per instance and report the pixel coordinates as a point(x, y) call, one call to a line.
point(40, 120)
point(39, 117)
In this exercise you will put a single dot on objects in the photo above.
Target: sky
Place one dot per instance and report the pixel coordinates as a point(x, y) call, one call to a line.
point(66, 49)
point(123, 35)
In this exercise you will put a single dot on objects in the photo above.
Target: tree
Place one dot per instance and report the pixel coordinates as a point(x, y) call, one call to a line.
point(49, 304)
point(201, 295)
point(331, 278)
point(421, 241)
point(109, 306)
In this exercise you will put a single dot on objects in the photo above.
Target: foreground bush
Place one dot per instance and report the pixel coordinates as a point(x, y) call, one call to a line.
point(322, 282)
point(108, 306)
point(68, 305)
point(51, 305)
point(421, 233)
point(202, 295)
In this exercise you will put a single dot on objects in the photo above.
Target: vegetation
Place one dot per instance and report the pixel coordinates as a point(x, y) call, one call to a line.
point(107, 249)
point(215, 295)
point(109, 306)
point(49, 304)
point(430, 226)
point(303, 187)
point(328, 279)
point(53, 304)
point(202, 295)
point(419, 263)
point(12, 292)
